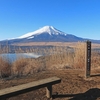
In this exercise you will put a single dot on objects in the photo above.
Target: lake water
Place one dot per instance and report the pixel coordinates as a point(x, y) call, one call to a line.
point(13, 56)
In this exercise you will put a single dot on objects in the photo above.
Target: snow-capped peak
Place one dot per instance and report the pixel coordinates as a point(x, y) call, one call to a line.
point(46, 29)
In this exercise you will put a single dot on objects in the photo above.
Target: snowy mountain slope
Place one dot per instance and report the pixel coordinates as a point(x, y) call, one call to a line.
point(46, 29)
point(47, 34)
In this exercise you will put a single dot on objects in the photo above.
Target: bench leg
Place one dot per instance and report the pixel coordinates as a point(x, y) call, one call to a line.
point(49, 91)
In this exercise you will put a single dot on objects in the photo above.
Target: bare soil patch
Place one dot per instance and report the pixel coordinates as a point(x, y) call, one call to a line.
point(72, 87)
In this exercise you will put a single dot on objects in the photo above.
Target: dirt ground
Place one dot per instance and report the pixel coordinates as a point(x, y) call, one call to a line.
point(74, 86)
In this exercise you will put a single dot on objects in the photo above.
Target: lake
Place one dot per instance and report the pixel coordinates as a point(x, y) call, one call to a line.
point(14, 56)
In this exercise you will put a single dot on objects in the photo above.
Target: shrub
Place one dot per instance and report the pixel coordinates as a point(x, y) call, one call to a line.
point(79, 55)
point(5, 68)
point(18, 66)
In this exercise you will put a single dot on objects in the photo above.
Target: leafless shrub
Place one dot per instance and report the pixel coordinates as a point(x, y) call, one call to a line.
point(79, 55)
point(18, 66)
point(5, 68)
point(95, 59)
point(25, 66)
point(55, 58)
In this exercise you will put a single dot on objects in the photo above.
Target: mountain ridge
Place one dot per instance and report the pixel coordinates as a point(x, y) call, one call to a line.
point(46, 29)
point(47, 34)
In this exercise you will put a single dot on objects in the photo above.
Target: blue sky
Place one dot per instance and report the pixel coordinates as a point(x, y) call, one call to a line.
point(77, 17)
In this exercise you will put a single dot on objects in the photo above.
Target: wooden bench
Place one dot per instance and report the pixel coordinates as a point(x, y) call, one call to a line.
point(20, 89)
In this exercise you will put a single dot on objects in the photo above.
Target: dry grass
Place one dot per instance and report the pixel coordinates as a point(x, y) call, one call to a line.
point(79, 58)
point(71, 44)
point(58, 58)
point(5, 68)
point(24, 66)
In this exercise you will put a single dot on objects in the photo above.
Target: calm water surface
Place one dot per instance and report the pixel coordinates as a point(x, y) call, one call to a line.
point(14, 56)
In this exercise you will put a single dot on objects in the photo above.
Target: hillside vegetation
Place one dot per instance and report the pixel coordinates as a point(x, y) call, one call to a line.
point(56, 57)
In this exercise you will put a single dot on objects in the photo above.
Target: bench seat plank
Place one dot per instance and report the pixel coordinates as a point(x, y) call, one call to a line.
point(16, 90)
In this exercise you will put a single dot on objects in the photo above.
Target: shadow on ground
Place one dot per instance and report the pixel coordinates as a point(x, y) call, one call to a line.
point(91, 94)
point(95, 75)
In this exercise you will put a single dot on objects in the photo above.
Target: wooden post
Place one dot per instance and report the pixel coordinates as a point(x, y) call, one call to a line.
point(87, 59)
point(49, 91)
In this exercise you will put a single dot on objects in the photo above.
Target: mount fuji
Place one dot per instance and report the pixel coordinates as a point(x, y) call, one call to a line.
point(46, 34)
